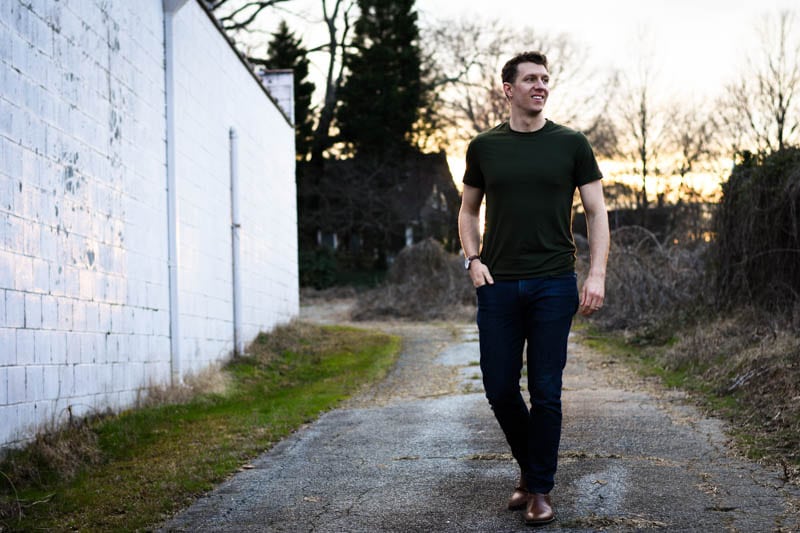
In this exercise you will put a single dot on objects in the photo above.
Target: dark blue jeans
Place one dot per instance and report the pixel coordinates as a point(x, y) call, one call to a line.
point(539, 311)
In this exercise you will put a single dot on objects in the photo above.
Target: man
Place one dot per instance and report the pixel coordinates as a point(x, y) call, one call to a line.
point(528, 168)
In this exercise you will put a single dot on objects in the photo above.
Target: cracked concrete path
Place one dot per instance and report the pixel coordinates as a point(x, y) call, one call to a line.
point(422, 452)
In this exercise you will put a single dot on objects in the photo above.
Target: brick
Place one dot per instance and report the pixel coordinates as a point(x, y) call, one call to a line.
point(66, 381)
point(34, 383)
point(101, 352)
point(79, 315)
point(8, 346)
point(23, 272)
point(117, 319)
point(57, 282)
point(7, 269)
point(15, 309)
point(104, 318)
point(33, 311)
point(48, 249)
point(52, 382)
point(71, 282)
point(26, 347)
point(92, 317)
point(65, 311)
point(3, 387)
point(88, 348)
point(42, 344)
point(16, 384)
point(32, 237)
point(41, 276)
point(58, 347)
point(105, 381)
point(85, 379)
point(82, 406)
point(49, 312)
point(26, 421)
point(8, 413)
point(45, 414)
point(73, 347)
point(134, 378)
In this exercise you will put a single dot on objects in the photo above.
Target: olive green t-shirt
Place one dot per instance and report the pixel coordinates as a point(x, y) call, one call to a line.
point(529, 180)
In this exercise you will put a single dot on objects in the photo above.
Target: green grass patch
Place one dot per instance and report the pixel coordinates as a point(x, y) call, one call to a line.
point(144, 464)
point(646, 360)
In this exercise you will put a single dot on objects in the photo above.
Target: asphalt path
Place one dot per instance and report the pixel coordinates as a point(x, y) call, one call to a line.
point(421, 451)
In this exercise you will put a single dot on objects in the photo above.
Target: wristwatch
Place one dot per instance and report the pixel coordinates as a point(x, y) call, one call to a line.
point(469, 261)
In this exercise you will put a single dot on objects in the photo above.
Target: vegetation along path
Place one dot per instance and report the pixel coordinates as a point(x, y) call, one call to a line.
point(422, 452)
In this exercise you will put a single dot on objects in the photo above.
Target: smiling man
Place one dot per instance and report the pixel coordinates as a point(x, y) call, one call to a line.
point(524, 272)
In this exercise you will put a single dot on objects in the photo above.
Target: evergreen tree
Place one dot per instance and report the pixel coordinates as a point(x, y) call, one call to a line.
point(382, 94)
point(285, 51)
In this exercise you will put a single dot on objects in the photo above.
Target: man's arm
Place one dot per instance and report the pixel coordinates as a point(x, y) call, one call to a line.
point(593, 291)
point(470, 233)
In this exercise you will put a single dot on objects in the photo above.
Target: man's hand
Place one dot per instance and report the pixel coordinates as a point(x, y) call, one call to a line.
point(479, 274)
point(592, 294)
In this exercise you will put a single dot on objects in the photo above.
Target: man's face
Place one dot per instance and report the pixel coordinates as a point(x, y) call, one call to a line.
point(528, 93)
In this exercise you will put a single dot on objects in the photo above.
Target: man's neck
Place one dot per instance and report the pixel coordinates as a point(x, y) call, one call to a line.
point(526, 123)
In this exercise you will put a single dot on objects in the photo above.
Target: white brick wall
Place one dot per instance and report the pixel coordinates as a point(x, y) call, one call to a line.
point(84, 286)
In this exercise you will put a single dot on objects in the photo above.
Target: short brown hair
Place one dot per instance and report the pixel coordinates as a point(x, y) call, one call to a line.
point(509, 72)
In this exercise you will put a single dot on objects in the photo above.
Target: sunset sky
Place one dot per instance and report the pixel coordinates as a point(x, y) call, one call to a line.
point(696, 46)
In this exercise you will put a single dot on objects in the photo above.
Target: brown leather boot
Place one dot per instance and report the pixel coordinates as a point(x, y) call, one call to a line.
point(519, 499)
point(539, 510)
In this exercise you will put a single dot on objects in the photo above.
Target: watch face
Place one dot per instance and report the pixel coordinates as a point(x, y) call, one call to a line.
point(466, 264)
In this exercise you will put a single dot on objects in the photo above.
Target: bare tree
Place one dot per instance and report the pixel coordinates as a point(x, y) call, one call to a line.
point(691, 142)
point(691, 137)
point(337, 21)
point(760, 111)
point(239, 15)
point(640, 126)
point(464, 61)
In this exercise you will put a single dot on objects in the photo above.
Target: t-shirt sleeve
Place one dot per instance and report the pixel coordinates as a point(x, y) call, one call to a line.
point(586, 167)
point(473, 175)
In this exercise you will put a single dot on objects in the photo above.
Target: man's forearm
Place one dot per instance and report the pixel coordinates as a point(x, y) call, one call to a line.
point(469, 233)
point(599, 241)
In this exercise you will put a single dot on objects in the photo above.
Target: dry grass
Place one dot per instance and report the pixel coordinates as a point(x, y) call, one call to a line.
point(310, 294)
point(755, 362)
point(64, 451)
point(425, 282)
point(649, 281)
point(211, 380)
point(300, 336)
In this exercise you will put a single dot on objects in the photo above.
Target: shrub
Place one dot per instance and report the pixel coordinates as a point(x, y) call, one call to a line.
point(318, 268)
point(650, 283)
point(424, 282)
point(757, 250)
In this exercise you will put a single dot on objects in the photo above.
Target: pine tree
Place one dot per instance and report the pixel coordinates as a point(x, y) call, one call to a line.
point(381, 97)
point(285, 51)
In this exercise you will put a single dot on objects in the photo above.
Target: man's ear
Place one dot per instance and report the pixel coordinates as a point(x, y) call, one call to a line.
point(507, 89)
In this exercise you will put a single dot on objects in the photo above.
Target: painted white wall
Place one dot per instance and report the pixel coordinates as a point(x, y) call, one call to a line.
point(84, 287)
